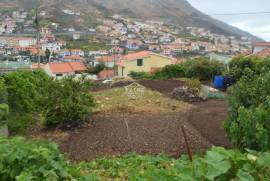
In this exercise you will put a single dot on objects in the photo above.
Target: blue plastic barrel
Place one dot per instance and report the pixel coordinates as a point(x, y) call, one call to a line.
point(218, 82)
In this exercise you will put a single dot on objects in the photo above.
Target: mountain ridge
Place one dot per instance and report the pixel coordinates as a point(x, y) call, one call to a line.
point(178, 12)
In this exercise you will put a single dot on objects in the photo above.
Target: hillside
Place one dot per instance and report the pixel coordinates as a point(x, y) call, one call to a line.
point(171, 11)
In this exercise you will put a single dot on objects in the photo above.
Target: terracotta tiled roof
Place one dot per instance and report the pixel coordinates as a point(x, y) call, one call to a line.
point(77, 66)
point(73, 57)
point(66, 67)
point(105, 74)
point(105, 59)
point(137, 55)
point(262, 54)
point(35, 65)
point(262, 44)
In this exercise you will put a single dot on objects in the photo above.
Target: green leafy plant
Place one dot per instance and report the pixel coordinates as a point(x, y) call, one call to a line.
point(32, 160)
point(96, 69)
point(3, 106)
point(217, 164)
point(32, 96)
point(243, 66)
point(170, 71)
point(69, 102)
point(140, 75)
point(248, 122)
point(193, 84)
point(200, 68)
point(26, 95)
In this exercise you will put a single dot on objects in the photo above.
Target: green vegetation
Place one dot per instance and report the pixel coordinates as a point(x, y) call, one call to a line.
point(248, 121)
point(69, 103)
point(40, 160)
point(96, 69)
point(84, 44)
point(3, 106)
point(241, 66)
point(140, 75)
point(193, 84)
point(32, 160)
point(27, 92)
point(35, 97)
point(200, 68)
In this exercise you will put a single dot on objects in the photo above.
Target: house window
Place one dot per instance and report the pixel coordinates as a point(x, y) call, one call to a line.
point(139, 62)
point(59, 75)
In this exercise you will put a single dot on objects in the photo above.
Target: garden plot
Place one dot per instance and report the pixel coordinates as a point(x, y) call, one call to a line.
point(149, 124)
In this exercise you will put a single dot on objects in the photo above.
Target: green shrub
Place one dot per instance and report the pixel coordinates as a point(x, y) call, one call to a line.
point(170, 71)
point(27, 92)
point(31, 160)
point(69, 102)
point(140, 75)
point(23, 160)
point(203, 69)
point(248, 119)
point(4, 109)
point(96, 69)
point(200, 68)
point(33, 96)
point(217, 164)
point(193, 84)
point(251, 129)
point(255, 65)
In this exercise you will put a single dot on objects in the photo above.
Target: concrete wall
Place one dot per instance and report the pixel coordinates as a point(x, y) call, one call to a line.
point(154, 61)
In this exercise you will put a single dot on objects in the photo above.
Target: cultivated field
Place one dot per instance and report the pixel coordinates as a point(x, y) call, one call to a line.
point(148, 124)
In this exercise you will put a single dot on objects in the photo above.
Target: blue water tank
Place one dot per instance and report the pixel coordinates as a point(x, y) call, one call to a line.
point(218, 82)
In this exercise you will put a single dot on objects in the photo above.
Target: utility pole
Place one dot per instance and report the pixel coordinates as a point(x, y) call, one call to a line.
point(37, 35)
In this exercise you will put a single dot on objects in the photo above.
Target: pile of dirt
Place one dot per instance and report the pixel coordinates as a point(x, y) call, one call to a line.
point(186, 94)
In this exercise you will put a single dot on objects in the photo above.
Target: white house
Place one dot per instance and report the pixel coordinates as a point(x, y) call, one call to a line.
point(53, 47)
point(26, 42)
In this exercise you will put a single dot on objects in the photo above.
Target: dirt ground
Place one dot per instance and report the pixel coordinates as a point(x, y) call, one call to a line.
point(114, 133)
point(162, 86)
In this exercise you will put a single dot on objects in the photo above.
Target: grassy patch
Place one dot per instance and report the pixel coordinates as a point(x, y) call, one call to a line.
point(117, 100)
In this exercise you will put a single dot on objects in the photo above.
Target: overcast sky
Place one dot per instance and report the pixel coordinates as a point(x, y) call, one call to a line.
point(258, 24)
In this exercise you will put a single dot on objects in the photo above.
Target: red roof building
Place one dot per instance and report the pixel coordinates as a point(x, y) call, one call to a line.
point(64, 68)
point(106, 74)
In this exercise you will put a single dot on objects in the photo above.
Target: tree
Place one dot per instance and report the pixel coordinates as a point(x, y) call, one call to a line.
point(27, 92)
point(249, 106)
point(96, 69)
point(47, 54)
point(3, 106)
point(69, 103)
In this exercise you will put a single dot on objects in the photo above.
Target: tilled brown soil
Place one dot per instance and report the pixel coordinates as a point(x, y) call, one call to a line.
point(115, 134)
point(163, 86)
point(208, 118)
point(145, 134)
